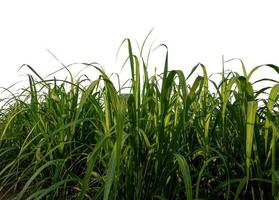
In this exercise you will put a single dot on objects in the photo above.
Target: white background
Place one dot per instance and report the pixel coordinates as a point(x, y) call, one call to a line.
point(86, 31)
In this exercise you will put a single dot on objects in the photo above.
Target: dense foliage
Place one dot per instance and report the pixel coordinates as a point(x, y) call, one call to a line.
point(165, 139)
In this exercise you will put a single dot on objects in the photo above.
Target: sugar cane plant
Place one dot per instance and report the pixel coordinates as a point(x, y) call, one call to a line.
point(167, 138)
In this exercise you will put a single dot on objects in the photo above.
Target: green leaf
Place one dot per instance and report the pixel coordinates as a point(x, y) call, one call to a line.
point(184, 169)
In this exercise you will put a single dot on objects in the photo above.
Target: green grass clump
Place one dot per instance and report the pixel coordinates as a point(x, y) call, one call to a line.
point(166, 138)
